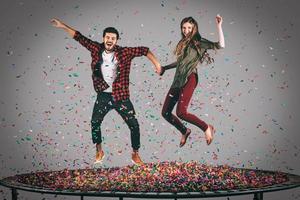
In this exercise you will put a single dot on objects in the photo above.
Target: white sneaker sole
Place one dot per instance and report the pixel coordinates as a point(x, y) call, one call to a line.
point(135, 163)
point(99, 161)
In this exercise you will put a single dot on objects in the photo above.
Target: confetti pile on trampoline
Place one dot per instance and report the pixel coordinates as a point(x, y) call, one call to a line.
point(154, 177)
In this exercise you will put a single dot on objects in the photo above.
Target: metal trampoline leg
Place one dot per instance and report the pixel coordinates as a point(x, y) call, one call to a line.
point(258, 196)
point(81, 197)
point(14, 194)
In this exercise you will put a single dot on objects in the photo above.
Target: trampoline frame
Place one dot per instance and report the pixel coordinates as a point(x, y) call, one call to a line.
point(294, 182)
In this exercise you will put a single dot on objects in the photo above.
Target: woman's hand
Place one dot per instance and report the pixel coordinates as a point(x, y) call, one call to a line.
point(219, 20)
point(162, 71)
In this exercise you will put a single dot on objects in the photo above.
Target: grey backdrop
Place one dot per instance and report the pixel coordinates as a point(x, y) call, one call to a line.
point(250, 93)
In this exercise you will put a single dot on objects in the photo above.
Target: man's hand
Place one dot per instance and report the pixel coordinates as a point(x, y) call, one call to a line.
point(57, 23)
point(154, 61)
point(158, 69)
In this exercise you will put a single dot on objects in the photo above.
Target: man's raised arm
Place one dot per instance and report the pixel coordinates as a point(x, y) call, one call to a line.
point(84, 41)
point(59, 24)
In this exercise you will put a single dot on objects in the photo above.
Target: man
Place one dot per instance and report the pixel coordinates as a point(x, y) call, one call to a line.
point(111, 66)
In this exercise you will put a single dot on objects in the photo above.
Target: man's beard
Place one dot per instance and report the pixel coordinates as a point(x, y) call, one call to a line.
point(109, 47)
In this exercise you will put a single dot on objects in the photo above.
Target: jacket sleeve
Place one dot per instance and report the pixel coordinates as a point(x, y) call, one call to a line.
point(206, 44)
point(170, 66)
point(167, 67)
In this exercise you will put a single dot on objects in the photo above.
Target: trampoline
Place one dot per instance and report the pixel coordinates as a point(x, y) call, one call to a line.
point(169, 180)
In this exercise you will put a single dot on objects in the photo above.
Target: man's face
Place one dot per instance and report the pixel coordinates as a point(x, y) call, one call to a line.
point(110, 40)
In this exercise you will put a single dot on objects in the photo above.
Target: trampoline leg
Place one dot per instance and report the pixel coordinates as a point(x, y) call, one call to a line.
point(81, 197)
point(120, 198)
point(14, 194)
point(258, 196)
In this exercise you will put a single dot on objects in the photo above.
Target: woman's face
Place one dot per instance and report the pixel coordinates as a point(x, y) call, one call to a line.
point(187, 28)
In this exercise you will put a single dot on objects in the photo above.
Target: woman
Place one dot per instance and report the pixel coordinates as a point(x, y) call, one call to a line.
point(190, 51)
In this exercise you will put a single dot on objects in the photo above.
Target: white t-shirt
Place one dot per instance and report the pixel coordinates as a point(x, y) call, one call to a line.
point(109, 68)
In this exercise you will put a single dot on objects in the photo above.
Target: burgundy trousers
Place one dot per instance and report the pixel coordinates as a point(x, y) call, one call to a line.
point(182, 96)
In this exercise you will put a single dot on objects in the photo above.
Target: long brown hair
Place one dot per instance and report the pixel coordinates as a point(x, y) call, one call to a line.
point(193, 38)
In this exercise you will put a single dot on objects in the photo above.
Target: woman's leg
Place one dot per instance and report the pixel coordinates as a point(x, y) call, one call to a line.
point(170, 101)
point(184, 100)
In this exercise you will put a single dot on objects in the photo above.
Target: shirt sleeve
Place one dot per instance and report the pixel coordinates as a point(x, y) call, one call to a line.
point(84, 41)
point(206, 44)
point(137, 51)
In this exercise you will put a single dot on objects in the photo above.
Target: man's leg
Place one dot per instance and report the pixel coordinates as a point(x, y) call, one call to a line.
point(127, 112)
point(102, 106)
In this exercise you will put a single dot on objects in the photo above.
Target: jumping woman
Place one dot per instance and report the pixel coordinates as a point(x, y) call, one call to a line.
point(190, 51)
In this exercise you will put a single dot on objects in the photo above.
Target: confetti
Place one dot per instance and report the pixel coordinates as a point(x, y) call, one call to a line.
point(155, 177)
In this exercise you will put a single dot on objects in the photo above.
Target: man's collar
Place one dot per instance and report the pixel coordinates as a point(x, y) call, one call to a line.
point(116, 48)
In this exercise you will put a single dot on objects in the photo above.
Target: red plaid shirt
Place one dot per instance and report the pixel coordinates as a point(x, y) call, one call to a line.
point(124, 55)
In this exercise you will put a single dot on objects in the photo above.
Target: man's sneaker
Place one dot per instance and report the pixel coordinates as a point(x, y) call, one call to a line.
point(99, 157)
point(135, 158)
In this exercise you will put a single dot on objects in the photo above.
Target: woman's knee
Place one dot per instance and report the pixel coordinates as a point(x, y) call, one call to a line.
point(181, 113)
